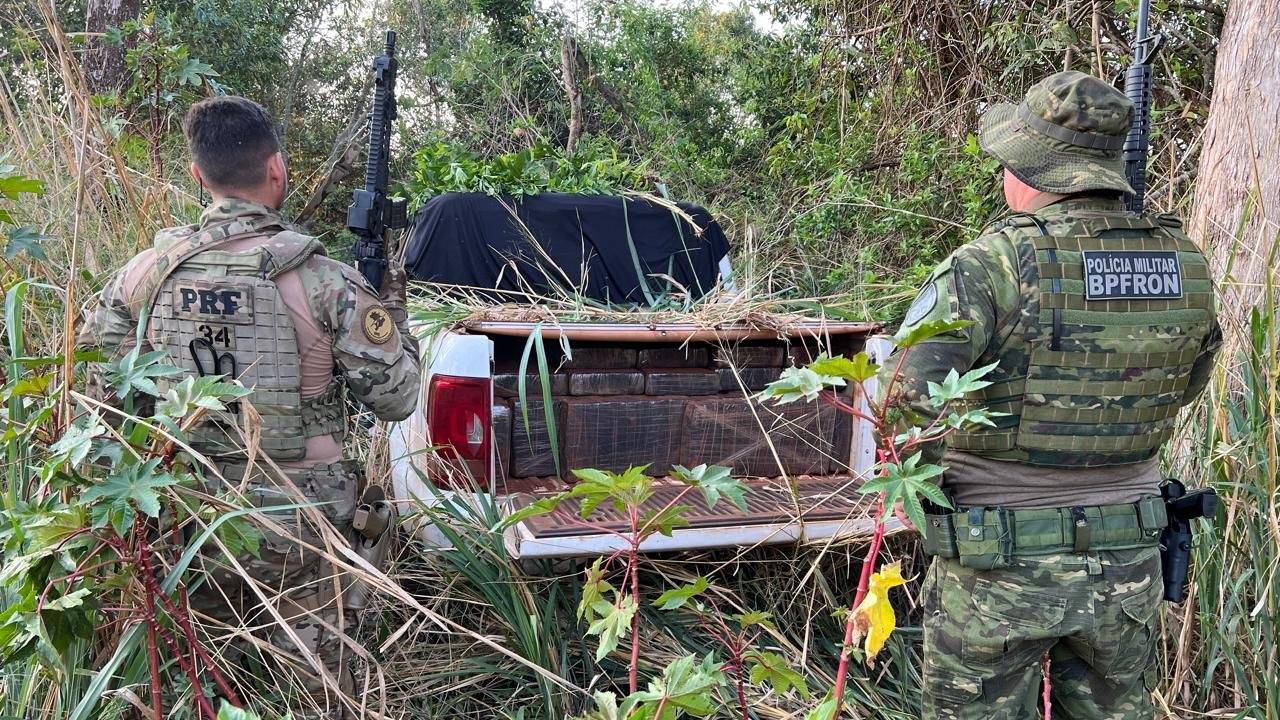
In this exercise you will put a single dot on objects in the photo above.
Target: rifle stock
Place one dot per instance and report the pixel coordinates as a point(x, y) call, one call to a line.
point(372, 214)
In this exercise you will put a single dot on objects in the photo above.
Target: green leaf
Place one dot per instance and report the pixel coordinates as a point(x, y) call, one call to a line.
point(541, 506)
point(956, 386)
point(613, 622)
point(76, 442)
point(825, 710)
point(205, 392)
point(628, 489)
point(753, 618)
point(68, 601)
point(774, 669)
point(906, 482)
point(664, 521)
point(12, 185)
point(26, 239)
point(132, 487)
point(194, 72)
point(798, 384)
point(138, 371)
point(230, 712)
point(859, 369)
point(910, 336)
point(713, 481)
point(593, 591)
point(677, 597)
point(686, 686)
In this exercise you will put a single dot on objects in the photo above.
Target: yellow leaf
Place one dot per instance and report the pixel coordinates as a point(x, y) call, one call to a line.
point(874, 616)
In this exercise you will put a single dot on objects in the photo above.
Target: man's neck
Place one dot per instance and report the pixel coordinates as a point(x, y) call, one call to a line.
point(262, 198)
point(1043, 200)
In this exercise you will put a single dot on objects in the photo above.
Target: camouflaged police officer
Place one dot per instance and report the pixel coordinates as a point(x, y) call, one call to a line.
point(243, 293)
point(1103, 325)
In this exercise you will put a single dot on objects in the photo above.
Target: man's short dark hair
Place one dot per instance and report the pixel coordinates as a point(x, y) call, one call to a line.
point(230, 139)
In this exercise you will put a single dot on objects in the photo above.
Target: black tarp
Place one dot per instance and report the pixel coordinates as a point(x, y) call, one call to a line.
point(480, 241)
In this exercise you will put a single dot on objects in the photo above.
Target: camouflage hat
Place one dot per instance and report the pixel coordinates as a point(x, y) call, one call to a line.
point(1064, 137)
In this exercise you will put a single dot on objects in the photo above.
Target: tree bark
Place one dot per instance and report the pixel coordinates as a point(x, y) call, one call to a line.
point(104, 68)
point(1236, 216)
point(569, 68)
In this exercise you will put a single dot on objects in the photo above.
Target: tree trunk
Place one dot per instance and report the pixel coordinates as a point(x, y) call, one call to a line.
point(1236, 216)
point(569, 68)
point(104, 68)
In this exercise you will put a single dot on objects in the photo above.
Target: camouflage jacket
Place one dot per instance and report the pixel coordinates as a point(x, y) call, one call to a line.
point(993, 281)
point(381, 372)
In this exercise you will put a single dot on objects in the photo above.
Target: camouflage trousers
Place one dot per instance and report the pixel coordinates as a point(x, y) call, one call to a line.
point(300, 588)
point(985, 632)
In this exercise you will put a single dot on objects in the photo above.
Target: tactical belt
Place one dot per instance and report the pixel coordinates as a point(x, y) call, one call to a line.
point(987, 538)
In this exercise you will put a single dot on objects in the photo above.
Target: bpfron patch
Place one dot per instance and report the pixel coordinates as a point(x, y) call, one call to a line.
point(377, 325)
point(922, 305)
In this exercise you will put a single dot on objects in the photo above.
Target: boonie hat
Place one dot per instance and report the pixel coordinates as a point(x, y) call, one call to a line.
point(1065, 137)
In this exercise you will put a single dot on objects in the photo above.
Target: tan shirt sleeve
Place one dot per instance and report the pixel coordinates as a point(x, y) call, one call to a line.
point(380, 364)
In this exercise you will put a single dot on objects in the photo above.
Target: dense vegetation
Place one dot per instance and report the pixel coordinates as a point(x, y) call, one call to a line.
point(834, 140)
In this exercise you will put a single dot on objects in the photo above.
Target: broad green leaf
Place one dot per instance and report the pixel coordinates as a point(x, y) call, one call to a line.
point(138, 371)
point(230, 712)
point(686, 686)
point(12, 185)
point(68, 601)
point(127, 488)
point(606, 708)
point(859, 369)
point(194, 73)
point(825, 710)
point(205, 392)
point(614, 622)
point(774, 669)
point(593, 591)
point(665, 521)
point(677, 597)
point(541, 506)
point(25, 239)
point(798, 384)
point(905, 482)
point(77, 441)
point(713, 481)
point(754, 617)
point(911, 336)
point(955, 386)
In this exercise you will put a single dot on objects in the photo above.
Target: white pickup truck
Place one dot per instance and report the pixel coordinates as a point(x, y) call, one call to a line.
point(656, 395)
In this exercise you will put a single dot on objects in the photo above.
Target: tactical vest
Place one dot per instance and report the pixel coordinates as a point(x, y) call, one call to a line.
point(1091, 382)
point(217, 312)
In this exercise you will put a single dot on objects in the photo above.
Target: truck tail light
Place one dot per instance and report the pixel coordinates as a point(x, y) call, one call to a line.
point(459, 418)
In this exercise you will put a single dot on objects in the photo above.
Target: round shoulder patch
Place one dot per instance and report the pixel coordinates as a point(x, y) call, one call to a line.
point(377, 325)
point(923, 303)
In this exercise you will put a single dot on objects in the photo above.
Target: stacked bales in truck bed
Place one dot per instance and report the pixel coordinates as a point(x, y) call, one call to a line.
point(666, 405)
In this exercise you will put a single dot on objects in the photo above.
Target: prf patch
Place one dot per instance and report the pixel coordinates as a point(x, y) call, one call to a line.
point(213, 302)
point(922, 306)
point(377, 325)
point(1132, 275)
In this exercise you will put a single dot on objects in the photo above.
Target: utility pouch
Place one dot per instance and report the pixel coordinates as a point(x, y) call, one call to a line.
point(983, 538)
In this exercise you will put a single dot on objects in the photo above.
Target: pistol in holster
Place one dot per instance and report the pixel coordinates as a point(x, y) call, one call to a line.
point(373, 526)
point(1175, 541)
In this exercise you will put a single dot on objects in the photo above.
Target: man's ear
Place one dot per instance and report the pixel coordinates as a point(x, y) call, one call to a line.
point(195, 174)
point(276, 171)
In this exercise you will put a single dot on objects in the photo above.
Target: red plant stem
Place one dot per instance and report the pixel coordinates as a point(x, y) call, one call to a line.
point(1048, 686)
point(153, 656)
point(206, 709)
point(742, 695)
point(224, 687)
point(873, 553)
point(633, 568)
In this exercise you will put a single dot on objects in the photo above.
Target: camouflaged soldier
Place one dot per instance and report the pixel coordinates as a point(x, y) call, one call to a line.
point(1103, 326)
point(242, 293)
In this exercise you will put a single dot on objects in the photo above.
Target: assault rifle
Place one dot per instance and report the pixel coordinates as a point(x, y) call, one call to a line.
point(1137, 86)
point(372, 214)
